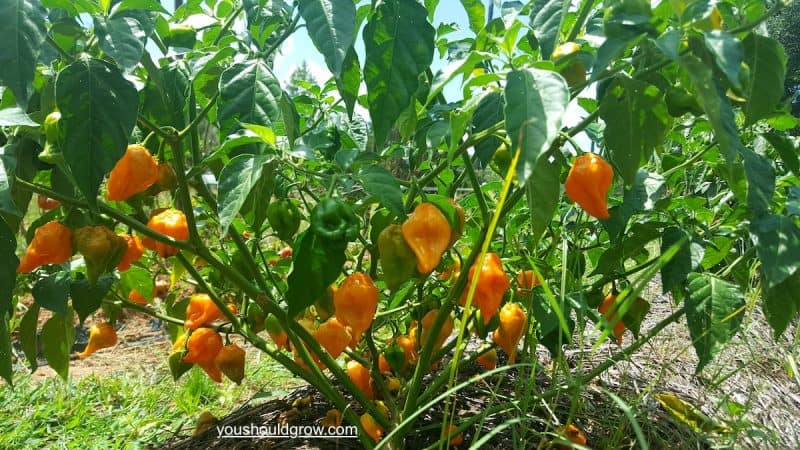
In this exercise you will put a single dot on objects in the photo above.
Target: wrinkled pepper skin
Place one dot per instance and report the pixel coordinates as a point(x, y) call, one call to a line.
point(398, 261)
point(202, 349)
point(231, 360)
point(134, 173)
point(100, 336)
point(428, 233)
point(284, 218)
point(609, 311)
point(200, 311)
point(51, 244)
point(588, 182)
point(134, 252)
point(333, 220)
point(355, 303)
point(170, 222)
point(101, 248)
point(513, 323)
point(492, 285)
point(333, 336)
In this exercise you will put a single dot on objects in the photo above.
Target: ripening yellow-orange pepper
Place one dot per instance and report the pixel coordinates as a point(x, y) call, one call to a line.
point(100, 336)
point(355, 303)
point(428, 233)
point(588, 182)
point(170, 222)
point(134, 252)
point(200, 311)
point(513, 324)
point(333, 336)
point(135, 172)
point(51, 244)
point(202, 349)
point(492, 285)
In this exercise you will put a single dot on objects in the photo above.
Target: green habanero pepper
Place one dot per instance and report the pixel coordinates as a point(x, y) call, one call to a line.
point(334, 220)
point(284, 218)
point(398, 261)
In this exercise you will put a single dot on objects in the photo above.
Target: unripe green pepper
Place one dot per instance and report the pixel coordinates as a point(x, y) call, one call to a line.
point(334, 220)
point(180, 35)
point(284, 218)
point(256, 317)
point(102, 249)
point(398, 261)
point(51, 154)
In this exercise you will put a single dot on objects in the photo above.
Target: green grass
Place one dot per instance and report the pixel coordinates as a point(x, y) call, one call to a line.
point(123, 410)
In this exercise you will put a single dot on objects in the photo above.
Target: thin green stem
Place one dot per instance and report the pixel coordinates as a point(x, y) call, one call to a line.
point(476, 188)
point(583, 13)
point(228, 23)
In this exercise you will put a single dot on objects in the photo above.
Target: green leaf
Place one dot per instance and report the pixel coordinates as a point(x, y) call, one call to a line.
point(488, 113)
point(535, 104)
point(8, 266)
point(727, 52)
point(760, 182)
point(543, 192)
point(399, 44)
point(249, 93)
point(767, 61)
point(236, 181)
point(332, 28)
point(98, 112)
point(714, 310)
point(476, 13)
point(647, 189)
point(15, 116)
point(777, 240)
point(254, 209)
point(74, 7)
point(789, 152)
point(52, 292)
point(636, 121)
point(782, 304)
point(715, 104)
point(379, 182)
point(22, 32)
point(316, 264)
point(635, 314)
point(546, 19)
point(349, 81)
point(688, 258)
point(86, 297)
point(6, 369)
point(137, 278)
point(122, 38)
point(165, 98)
point(58, 335)
point(148, 5)
point(27, 336)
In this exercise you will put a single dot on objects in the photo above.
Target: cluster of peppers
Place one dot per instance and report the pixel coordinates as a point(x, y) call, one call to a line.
point(202, 345)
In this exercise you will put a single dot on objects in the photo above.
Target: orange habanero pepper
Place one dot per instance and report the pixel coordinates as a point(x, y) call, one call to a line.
point(513, 323)
point(359, 375)
point(609, 311)
point(202, 349)
point(230, 360)
point(492, 285)
point(51, 244)
point(100, 336)
point(355, 303)
point(135, 172)
point(428, 233)
point(132, 254)
point(200, 311)
point(333, 336)
point(170, 222)
point(588, 182)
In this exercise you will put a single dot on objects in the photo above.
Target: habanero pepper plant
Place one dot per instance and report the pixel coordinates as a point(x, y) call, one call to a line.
point(408, 208)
